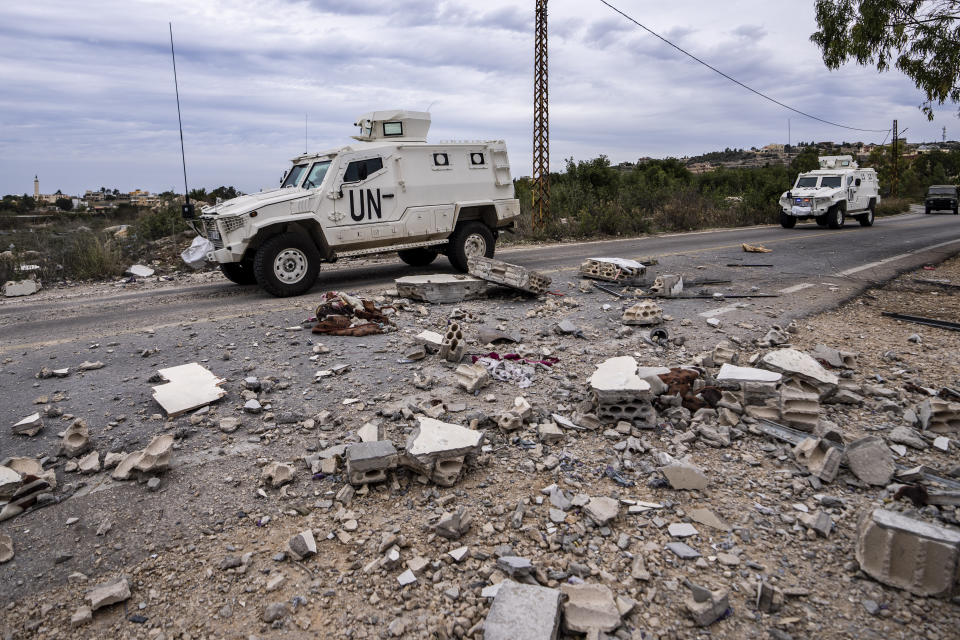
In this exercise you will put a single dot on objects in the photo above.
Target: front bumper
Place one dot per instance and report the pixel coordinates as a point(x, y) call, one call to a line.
point(941, 204)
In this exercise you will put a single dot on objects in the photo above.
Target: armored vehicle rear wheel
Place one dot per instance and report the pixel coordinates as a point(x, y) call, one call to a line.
point(927, 210)
point(239, 272)
point(835, 217)
point(470, 239)
point(866, 219)
point(286, 265)
point(418, 257)
point(787, 222)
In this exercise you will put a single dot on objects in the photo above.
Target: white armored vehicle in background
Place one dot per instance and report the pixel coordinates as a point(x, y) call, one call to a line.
point(391, 191)
point(839, 189)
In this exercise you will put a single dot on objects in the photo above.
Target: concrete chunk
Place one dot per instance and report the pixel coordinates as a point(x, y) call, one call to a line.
point(109, 593)
point(590, 608)
point(440, 288)
point(472, 377)
point(368, 462)
point(617, 270)
point(438, 449)
point(870, 460)
point(908, 554)
point(16, 288)
point(667, 286)
point(733, 373)
point(602, 510)
point(644, 313)
point(799, 365)
point(303, 545)
point(523, 611)
point(821, 460)
point(29, 426)
point(510, 275)
point(799, 409)
point(683, 475)
point(939, 416)
point(707, 611)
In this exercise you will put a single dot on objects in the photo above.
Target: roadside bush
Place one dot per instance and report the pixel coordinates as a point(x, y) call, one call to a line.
point(164, 222)
point(893, 206)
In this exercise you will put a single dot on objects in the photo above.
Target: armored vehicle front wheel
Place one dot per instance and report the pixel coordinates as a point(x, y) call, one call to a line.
point(787, 222)
point(470, 239)
point(821, 220)
point(418, 257)
point(239, 272)
point(286, 265)
point(835, 217)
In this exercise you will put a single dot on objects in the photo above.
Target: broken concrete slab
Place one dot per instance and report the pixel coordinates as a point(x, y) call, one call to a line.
point(644, 313)
point(870, 460)
point(108, 593)
point(683, 475)
point(907, 436)
point(802, 367)
point(81, 616)
point(834, 357)
point(29, 426)
point(602, 510)
point(708, 518)
point(908, 554)
point(509, 275)
point(370, 432)
point(440, 288)
point(818, 521)
point(733, 373)
point(619, 270)
point(438, 449)
point(589, 608)
point(523, 611)
point(368, 462)
point(17, 288)
point(140, 271)
point(157, 455)
point(682, 530)
point(429, 339)
point(189, 387)
point(10, 482)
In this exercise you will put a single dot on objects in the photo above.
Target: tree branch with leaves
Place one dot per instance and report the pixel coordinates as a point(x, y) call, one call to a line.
point(921, 38)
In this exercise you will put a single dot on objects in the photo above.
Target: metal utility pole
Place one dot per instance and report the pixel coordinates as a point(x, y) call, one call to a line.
point(541, 121)
point(893, 151)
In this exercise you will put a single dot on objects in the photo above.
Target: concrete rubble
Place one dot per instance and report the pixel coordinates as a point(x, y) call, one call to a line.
point(619, 393)
point(870, 460)
point(644, 313)
point(441, 288)
point(802, 368)
point(589, 609)
point(76, 439)
point(453, 343)
point(112, 592)
point(438, 450)
point(18, 288)
point(188, 387)
point(667, 286)
point(523, 611)
point(819, 457)
point(471, 377)
point(909, 554)
point(509, 275)
point(29, 426)
point(939, 416)
point(6, 548)
point(368, 462)
point(140, 271)
point(618, 270)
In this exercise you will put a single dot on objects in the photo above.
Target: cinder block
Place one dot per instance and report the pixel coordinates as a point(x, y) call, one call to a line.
point(453, 344)
point(725, 353)
point(472, 377)
point(820, 459)
point(510, 275)
point(667, 286)
point(799, 409)
point(939, 416)
point(640, 412)
point(643, 313)
point(909, 554)
point(616, 270)
point(368, 462)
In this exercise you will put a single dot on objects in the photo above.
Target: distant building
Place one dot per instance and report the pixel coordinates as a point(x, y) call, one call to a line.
point(775, 148)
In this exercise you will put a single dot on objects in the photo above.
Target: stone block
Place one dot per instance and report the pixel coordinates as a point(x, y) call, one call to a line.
point(908, 554)
point(616, 270)
point(509, 275)
point(799, 409)
point(16, 288)
point(523, 611)
point(725, 352)
point(368, 462)
point(667, 286)
point(589, 608)
point(644, 313)
point(453, 344)
point(472, 377)
point(871, 460)
point(820, 459)
point(440, 288)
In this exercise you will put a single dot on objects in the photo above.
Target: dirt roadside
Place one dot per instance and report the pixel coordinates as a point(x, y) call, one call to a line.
point(206, 555)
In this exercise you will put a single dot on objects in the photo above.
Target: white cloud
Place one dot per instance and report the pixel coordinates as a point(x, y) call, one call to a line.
point(87, 89)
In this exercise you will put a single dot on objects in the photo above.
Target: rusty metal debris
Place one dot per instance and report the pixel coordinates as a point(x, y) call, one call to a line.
point(930, 322)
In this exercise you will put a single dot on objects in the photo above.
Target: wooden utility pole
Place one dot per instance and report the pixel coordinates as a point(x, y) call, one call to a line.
point(541, 121)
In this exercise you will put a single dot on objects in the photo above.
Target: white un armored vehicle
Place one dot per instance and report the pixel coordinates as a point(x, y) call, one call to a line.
point(391, 191)
point(837, 190)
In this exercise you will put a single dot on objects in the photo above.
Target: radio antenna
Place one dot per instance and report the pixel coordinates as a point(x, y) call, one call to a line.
point(305, 133)
point(187, 207)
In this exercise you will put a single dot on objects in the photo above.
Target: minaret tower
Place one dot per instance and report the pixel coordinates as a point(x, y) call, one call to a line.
point(36, 188)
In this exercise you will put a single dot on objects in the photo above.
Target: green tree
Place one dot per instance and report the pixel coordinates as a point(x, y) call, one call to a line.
point(64, 204)
point(224, 193)
point(921, 38)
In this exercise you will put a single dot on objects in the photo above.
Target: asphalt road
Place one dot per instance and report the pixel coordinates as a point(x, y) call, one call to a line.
point(240, 331)
point(815, 267)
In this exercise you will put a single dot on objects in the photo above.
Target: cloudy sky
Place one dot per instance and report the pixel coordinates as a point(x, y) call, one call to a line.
point(87, 97)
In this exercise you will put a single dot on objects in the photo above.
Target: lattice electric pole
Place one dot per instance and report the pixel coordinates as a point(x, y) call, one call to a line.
point(895, 154)
point(541, 121)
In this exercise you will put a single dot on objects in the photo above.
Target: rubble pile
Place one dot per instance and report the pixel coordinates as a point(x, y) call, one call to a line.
point(534, 471)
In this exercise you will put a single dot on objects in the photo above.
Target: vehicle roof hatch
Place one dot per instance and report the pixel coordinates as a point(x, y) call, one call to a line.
point(396, 124)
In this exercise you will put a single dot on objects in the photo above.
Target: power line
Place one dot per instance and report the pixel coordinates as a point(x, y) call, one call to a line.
point(734, 80)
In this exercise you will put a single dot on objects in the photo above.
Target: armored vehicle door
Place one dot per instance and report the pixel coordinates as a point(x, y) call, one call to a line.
point(366, 188)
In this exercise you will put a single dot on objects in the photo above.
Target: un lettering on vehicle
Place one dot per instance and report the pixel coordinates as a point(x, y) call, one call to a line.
point(364, 204)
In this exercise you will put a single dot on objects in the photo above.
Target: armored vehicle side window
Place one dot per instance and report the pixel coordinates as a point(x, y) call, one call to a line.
point(441, 160)
point(316, 175)
point(359, 169)
point(392, 128)
point(807, 182)
point(293, 178)
point(476, 158)
point(830, 181)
